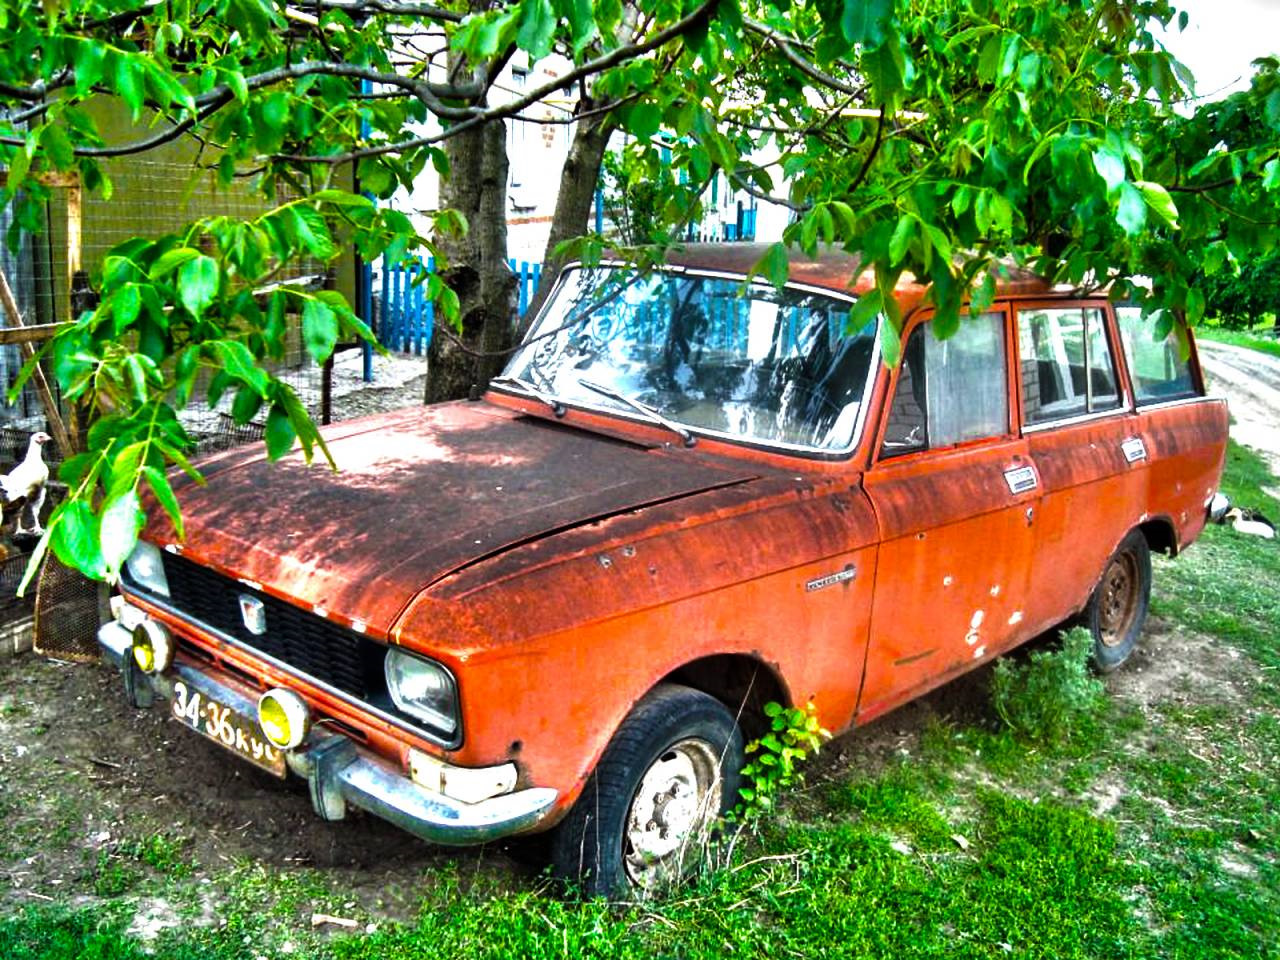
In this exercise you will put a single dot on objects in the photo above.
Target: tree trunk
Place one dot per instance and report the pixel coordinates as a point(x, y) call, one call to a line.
point(477, 267)
point(578, 183)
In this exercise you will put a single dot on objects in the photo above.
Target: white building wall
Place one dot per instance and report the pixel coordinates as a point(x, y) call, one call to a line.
point(536, 152)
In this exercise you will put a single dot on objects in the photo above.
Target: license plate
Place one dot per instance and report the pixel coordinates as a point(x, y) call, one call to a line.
point(223, 725)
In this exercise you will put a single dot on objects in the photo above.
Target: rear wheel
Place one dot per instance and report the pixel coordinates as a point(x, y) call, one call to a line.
point(1117, 608)
point(647, 812)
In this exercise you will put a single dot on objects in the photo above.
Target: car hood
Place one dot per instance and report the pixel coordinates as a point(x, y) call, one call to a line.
point(418, 495)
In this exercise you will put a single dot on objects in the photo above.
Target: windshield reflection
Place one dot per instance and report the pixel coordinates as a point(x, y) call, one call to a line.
point(756, 363)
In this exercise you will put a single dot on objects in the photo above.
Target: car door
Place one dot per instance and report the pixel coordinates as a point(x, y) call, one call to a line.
point(953, 489)
point(1087, 448)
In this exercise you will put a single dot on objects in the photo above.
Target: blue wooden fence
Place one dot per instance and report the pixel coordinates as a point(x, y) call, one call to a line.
point(406, 317)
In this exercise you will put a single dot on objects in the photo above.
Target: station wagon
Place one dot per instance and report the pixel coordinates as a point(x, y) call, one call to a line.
point(563, 607)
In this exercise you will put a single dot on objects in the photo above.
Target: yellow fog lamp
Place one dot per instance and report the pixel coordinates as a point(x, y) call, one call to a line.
point(152, 646)
point(284, 717)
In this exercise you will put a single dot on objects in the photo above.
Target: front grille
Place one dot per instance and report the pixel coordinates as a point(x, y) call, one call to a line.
point(295, 637)
point(301, 641)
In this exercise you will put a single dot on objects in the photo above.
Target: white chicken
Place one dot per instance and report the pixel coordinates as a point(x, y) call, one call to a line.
point(27, 481)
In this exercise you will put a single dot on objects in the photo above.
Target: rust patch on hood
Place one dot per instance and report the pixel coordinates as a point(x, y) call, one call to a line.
point(419, 494)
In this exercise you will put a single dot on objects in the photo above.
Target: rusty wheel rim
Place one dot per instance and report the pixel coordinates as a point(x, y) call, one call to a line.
point(1119, 599)
point(672, 813)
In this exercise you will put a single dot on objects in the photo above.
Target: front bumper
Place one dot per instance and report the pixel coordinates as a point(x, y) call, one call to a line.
point(339, 773)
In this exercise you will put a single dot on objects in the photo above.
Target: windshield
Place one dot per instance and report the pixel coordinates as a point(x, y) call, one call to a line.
point(754, 364)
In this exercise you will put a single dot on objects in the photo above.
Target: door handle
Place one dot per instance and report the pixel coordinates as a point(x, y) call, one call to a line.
point(1021, 479)
point(1133, 449)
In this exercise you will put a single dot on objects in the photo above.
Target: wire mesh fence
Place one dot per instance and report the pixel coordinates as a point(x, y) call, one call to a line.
point(150, 198)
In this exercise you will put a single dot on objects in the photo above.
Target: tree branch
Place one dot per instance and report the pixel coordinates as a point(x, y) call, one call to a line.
point(809, 69)
point(418, 11)
point(511, 109)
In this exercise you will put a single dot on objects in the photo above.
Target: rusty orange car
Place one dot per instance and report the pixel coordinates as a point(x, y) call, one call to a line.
point(564, 606)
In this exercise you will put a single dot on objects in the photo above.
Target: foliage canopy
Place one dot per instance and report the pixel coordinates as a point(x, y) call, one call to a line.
point(931, 136)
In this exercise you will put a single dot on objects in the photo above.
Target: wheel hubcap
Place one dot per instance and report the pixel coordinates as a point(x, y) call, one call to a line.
point(1119, 604)
point(672, 813)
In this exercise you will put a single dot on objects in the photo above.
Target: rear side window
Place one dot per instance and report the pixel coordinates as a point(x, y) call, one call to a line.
point(949, 391)
point(1066, 365)
point(1156, 366)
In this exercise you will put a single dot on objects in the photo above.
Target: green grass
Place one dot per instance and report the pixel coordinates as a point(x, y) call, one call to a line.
point(1156, 833)
point(1253, 340)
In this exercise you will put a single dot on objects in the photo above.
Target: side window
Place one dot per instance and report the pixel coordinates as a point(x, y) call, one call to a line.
point(1156, 366)
point(949, 391)
point(1066, 363)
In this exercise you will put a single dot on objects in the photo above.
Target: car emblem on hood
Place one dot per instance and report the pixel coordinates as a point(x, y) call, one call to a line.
point(254, 614)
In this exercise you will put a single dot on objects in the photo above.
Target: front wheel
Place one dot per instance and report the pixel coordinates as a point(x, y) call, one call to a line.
point(1118, 606)
point(647, 812)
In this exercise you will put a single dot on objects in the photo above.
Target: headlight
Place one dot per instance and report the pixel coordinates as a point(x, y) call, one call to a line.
point(146, 568)
point(424, 690)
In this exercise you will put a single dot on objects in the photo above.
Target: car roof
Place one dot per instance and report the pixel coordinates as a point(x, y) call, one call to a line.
point(834, 269)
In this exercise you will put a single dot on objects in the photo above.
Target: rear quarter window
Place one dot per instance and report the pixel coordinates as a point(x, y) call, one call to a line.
point(1157, 367)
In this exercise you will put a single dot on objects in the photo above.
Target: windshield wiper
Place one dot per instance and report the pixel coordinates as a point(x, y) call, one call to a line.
point(556, 406)
point(644, 409)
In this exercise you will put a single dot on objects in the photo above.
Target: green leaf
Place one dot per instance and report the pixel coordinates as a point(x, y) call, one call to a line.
point(643, 120)
point(1271, 175)
point(1029, 71)
point(19, 164)
point(582, 23)
point(235, 82)
point(238, 363)
point(1158, 199)
point(774, 265)
point(57, 146)
point(129, 83)
point(198, 284)
point(312, 231)
point(37, 557)
point(275, 111)
point(88, 58)
point(160, 486)
point(74, 536)
point(1110, 167)
point(866, 309)
point(901, 239)
point(125, 305)
point(122, 520)
point(280, 433)
point(319, 329)
point(537, 26)
point(245, 406)
point(864, 21)
point(1195, 305)
point(170, 260)
point(890, 347)
point(1131, 211)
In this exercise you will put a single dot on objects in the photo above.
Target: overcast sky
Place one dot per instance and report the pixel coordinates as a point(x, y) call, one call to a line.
point(1222, 38)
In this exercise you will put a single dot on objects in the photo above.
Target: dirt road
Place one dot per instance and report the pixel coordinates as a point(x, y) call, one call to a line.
point(1251, 383)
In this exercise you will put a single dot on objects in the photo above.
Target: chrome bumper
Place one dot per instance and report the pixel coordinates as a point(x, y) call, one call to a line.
point(339, 773)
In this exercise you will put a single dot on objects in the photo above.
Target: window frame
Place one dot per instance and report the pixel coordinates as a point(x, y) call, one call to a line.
point(878, 457)
point(1119, 364)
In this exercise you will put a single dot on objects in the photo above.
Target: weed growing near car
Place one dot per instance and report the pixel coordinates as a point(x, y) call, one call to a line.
point(1053, 694)
point(774, 760)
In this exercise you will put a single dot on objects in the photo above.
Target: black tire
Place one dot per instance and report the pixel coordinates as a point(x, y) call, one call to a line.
point(1117, 608)
point(671, 734)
